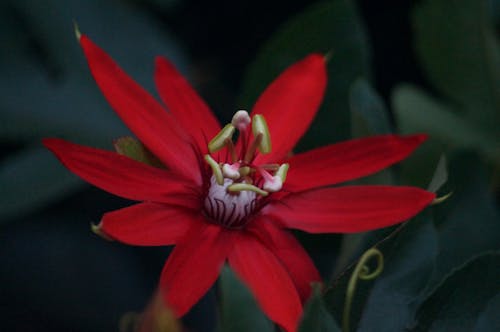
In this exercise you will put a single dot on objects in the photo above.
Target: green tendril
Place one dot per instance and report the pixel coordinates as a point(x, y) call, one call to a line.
point(361, 271)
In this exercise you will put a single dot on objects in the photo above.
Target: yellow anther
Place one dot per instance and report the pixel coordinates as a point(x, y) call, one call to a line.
point(282, 171)
point(245, 170)
point(238, 187)
point(259, 127)
point(217, 172)
point(219, 141)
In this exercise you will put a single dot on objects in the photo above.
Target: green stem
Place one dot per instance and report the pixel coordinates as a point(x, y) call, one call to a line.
point(361, 271)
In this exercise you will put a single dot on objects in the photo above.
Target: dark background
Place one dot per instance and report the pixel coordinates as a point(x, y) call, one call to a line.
point(58, 276)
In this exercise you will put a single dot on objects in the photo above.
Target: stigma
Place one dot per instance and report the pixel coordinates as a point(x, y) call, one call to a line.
point(237, 187)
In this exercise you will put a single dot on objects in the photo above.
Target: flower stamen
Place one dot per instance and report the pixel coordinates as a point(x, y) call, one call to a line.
point(219, 178)
point(219, 141)
point(239, 187)
point(259, 127)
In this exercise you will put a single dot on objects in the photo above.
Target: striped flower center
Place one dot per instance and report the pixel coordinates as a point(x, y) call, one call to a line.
point(228, 209)
point(238, 187)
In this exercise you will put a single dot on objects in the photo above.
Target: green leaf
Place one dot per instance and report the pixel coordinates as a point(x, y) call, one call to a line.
point(456, 43)
point(440, 175)
point(409, 260)
point(46, 89)
point(316, 317)
point(416, 112)
point(30, 179)
point(468, 221)
point(369, 114)
point(332, 26)
point(132, 148)
point(488, 319)
point(462, 297)
point(385, 304)
point(239, 311)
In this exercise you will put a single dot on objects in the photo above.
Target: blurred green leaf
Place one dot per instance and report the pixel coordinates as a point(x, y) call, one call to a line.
point(30, 179)
point(440, 175)
point(415, 111)
point(468, 222)
point(409, 258)
point(386, 303)
point(457, 46)
point(489, 319)
point(462, 297)
point(133, 148)
point(332, 26)
point(418, 112)
point(316, 317)
point(239, 311)
point(46, 89)
point(369, 114)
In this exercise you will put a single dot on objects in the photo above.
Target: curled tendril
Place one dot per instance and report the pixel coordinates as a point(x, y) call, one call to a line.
point(361, 272)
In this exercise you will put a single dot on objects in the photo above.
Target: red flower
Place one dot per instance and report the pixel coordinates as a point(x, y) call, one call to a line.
point(221, 201)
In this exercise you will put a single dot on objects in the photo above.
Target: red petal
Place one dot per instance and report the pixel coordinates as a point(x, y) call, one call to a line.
point(291, 254)
point(147, 224)
point(348, 160)
point(123, 176)
point(268, 280)
point(154, 127)
point(185, 104)
point(193, 266)
point(290, 103)
point(349, 209)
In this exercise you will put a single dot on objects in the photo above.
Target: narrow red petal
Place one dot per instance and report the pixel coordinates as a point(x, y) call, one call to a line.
point(349, 209)
point(291, 254)
point(290, 103)
point(193, 266)
point(185, 104)
point(268, 280)
point(148, 224)
point(152, 124)
point(123, 176)
point(348, 160)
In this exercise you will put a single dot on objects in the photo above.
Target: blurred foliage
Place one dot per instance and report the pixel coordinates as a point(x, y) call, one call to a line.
point(238, 308)
point(461, 57)
point(328, 27)
point(441, 268)
point(46, 89)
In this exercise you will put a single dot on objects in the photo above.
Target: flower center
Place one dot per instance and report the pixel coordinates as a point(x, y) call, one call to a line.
point(238, 188)
point(229, 209)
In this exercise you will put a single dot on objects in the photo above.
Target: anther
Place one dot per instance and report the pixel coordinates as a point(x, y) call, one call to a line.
point(219, 141)
point(219, 178)
point(245, 170)
point(241, 120)
point(238, 187)
point(282, 171)
point(259, 127)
